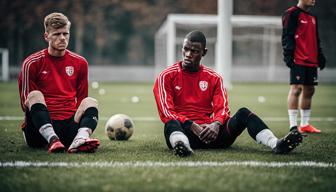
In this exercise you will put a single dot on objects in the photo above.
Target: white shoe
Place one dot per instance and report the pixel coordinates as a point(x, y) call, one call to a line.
point(83, 145)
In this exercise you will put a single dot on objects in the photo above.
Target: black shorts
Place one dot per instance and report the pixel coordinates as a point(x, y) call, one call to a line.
point(65, 129)
point(301, 75)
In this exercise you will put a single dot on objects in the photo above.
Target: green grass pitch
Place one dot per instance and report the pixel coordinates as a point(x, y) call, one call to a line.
point(147, 145)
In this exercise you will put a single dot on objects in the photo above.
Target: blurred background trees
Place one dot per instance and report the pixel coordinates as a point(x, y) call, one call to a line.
point(116, 32)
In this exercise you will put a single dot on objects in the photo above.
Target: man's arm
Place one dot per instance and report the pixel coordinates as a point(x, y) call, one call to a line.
point(220, 115)
point(321, 58)
point(82, 85)
point(289, 23)
point(221, 111)
point(164, 95)
point(27, 79)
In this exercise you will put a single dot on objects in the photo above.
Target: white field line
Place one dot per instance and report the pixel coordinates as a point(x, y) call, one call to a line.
point(158, 164)
point(153, 119)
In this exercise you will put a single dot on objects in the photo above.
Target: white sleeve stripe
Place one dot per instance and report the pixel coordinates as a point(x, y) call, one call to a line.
point(25, 79)
point(211, 72)
point(76, 55)
point(25, 73)
point(162, 92)
point(34, 55)
point(224, 96)
point(165, 97)
point(165, 111)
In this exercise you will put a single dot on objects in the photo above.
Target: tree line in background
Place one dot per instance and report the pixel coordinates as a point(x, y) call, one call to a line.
point(122, 32)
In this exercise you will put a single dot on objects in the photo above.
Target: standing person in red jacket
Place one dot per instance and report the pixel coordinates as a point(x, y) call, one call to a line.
point(193, 104)
point(303, 55)
point(53, 86)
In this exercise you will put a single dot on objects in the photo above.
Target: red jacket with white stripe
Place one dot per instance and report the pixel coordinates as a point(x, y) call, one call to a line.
point(199, 96)
point(62, 80)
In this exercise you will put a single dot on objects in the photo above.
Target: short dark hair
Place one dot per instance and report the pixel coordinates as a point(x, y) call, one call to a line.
point(196, 36)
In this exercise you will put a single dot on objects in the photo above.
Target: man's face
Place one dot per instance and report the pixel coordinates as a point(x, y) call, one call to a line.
point(192, 53)
point(58, 39)
point(308, 3)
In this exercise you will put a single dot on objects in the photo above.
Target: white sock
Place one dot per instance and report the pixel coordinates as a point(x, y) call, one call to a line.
point(267, 138)
point(305, 116)
point(47, 131)
point(292, 113)
point(84, 133)
point(178, 136)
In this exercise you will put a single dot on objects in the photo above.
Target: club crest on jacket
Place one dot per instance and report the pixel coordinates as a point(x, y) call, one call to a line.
point(203, 85)
point(69, 70)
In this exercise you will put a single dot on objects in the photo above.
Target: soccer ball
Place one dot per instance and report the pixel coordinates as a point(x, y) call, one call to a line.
point(119, 127)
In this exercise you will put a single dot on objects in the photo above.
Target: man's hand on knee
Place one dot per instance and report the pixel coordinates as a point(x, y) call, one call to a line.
point(210, 132)
point(196, 129)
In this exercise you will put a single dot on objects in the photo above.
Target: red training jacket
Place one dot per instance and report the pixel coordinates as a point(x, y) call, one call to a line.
point(198, 96)
point(300, 40)
point(62, 80)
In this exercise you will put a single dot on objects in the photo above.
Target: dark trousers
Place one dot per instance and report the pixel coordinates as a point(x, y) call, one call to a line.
point(228, 132)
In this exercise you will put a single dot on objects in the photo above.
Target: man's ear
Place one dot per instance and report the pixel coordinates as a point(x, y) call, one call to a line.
point(205, 52)
point(45, 36)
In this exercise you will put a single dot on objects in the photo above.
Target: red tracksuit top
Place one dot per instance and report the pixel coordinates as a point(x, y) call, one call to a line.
point(300, 41)
point(62, 80)
point(200, 97)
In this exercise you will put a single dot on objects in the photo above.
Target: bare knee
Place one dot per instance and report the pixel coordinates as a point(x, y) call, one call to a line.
point(295, 90)
point(308, 91)
point(88, 102)
point(35, 97)
point(85, 104)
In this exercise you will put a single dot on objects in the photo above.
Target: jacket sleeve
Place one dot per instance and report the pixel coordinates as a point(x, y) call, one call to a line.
point(164, 96)
point(321, 57)
point(220, 102)
point(82, 83)
point(289, 24)
point(27, 80)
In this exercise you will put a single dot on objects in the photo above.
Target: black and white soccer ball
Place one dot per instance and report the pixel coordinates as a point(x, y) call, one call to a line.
point(119, 127)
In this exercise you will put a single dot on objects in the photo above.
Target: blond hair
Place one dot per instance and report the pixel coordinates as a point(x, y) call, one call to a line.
point(55, 21)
